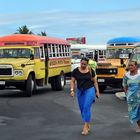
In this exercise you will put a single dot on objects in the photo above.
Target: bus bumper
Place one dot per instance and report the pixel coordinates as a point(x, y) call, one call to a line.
point(4, 84)
point(112, 82)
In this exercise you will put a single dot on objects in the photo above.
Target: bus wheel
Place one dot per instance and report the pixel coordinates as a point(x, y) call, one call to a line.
point(2, 87)
point(60, 81)
point(29, 86)
point(53, 84)
point(102, 88)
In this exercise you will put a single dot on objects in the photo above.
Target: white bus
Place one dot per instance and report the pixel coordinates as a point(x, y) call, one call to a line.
point(97, 52)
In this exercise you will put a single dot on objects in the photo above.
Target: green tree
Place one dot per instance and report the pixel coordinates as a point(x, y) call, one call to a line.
point(23, 30)
point(42, 34)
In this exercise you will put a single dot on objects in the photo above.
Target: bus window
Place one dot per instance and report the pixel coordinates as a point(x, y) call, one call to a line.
point(53, 50)
point(59, 47)
point(42, 54)
point(69, 51)
point(36, 53)
point(49, 50)
point(57, 50)
point(63, 50)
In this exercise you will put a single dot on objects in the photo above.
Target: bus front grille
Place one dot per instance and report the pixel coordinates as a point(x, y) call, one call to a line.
point(106, 71)
point(6, 70)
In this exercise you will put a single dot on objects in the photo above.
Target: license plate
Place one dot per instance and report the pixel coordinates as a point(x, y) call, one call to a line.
point(101, 80)
point(2, 82)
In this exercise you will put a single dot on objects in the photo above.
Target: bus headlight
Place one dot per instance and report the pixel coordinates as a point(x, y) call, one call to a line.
point(18, 72)
point(114, 71)
point(111, 71)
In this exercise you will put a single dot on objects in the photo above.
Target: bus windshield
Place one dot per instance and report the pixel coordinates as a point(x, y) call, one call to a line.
point(15, 53)
point(76, 57)
point(118, 53)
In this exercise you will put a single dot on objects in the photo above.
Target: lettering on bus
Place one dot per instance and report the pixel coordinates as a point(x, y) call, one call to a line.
point(59, 62)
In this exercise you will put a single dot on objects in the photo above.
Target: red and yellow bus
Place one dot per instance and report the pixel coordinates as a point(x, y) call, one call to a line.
point(28, 61)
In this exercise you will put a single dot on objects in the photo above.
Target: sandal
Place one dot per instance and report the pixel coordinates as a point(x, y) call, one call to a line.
point(85, 132)
point(138, 130)
point(88, 129)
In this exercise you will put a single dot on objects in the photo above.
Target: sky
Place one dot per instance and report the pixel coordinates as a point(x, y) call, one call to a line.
point(97, 20)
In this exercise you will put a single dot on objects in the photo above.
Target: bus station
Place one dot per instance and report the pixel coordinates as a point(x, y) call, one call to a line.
point(70, 70)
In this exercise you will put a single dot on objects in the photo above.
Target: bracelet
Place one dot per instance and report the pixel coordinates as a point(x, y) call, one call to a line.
point(71, 89)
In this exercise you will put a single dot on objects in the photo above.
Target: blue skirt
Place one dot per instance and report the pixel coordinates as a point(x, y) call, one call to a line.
point(86, 97)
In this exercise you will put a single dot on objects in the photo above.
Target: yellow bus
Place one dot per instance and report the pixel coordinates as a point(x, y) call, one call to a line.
point(111, 71)
point(29, 61)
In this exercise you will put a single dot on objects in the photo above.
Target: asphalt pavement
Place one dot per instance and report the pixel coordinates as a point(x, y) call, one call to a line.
point(50, 115)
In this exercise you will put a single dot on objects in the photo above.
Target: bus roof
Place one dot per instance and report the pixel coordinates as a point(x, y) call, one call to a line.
point(32, 38)
point(124, 40)
point(85, 46)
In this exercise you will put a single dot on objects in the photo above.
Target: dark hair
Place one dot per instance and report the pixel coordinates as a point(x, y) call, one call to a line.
point(133, 61)
point(85, 59)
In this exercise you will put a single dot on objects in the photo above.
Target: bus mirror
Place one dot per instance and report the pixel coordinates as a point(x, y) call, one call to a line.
point(121, 61)
point(129, 55)
point(31, 56)
point(124, 65)
point(127, 69)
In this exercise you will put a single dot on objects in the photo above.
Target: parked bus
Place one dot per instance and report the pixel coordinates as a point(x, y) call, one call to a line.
point(28, 61)
point(97, 52)
point(111, 72)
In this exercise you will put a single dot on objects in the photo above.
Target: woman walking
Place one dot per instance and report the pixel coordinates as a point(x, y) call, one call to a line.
point(131, 84)
point(87, 88)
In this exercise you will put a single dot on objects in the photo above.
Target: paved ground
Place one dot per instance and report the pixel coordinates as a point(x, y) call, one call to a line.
point(51, 115)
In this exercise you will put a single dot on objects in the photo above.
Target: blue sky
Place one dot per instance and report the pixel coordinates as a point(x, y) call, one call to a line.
point(97, 20)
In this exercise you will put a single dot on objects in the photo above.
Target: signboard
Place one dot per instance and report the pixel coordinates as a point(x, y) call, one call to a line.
point(79, 40)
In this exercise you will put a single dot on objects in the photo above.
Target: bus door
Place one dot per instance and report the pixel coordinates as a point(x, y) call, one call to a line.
point(39, 57)
point(101, 55)
point(96, 55)
point(47, 48)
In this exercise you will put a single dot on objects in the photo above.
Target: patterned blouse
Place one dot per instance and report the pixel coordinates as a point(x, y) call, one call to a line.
point(133, 95)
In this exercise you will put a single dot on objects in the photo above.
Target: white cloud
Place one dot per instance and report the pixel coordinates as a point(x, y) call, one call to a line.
point(97, 27)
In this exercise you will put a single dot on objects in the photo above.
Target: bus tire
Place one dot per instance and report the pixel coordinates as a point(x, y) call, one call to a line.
point(2, 87)
point(53, 84)
point(29, 86)
point(60, 81)
point(102, 88)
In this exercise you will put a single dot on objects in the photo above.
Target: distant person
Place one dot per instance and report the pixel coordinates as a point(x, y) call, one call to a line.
point(87, 89)
point(96, 56)
point(92, 63)
point(131, 84)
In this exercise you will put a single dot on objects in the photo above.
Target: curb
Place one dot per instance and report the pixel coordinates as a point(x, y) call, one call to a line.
point(121, 95)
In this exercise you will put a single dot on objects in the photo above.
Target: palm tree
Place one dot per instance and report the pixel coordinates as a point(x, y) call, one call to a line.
point(23, 30)
point(42, 34)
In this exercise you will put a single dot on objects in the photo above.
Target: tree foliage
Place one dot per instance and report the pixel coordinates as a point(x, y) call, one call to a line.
point(23, 30)
point(42, 34)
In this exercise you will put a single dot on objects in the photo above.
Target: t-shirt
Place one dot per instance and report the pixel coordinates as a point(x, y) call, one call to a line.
point(84, 80)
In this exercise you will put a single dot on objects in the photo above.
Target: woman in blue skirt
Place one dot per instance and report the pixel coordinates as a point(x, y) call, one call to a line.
point(87, 89)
